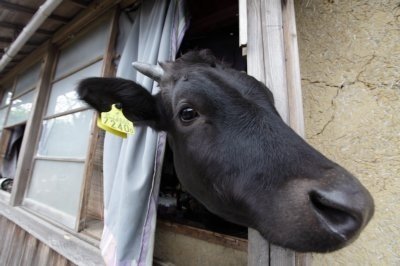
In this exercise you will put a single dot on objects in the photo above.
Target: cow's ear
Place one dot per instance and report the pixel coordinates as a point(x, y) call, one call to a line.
point(137, 104)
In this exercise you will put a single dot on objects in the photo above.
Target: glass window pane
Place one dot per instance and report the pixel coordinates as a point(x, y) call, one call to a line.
point(84, 49)
point(58, 189)
point(3, 113)
point(21, 108)
point(27, 79)
point(6, 96)
point(63, 96)
point(66, 136)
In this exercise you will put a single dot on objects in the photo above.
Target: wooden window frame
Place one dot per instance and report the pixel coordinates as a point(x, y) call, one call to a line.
point(75, 246)
point(111, 18)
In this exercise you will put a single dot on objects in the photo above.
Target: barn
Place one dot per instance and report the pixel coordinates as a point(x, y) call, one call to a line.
point(333, 67)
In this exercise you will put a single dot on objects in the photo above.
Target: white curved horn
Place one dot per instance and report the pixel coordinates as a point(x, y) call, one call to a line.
point(152, 71)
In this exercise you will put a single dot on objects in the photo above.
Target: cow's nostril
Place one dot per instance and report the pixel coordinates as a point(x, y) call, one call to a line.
point(339, 218)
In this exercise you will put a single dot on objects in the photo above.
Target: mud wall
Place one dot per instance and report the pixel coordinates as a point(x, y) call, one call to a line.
point(350, 66)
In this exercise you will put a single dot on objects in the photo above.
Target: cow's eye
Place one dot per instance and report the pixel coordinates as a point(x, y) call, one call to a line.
point(188, 114)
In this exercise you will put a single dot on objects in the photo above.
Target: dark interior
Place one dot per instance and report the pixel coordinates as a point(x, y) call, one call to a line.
point(9, 155)
point(214, 25)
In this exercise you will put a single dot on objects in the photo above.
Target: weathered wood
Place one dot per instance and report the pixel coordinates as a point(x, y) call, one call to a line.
point(255, 56)
point(32, 132)
point(7, 235)
point(212, 237)
point(107, 70)
point(293, 77)
point(19, 27)
point(28, 10)
point(272, 57)
point(78, 251)
point(258, 249)
point(22, 248)
point(281, 256)
point(295, 99)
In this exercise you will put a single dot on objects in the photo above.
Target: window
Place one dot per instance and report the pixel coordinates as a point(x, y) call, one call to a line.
point(60, 163)
point(15, 108)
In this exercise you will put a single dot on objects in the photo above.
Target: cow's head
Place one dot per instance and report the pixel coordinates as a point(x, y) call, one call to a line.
point(233, 152)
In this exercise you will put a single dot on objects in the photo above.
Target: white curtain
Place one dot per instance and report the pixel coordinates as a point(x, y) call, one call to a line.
point(132, 166)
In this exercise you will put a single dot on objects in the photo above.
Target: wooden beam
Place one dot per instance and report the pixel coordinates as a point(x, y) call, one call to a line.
point(19, 27)
point(30, 11)
point(80, 3)
point(10, 40)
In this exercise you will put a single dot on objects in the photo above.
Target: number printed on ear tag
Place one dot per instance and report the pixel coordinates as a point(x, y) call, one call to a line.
point(115, 122)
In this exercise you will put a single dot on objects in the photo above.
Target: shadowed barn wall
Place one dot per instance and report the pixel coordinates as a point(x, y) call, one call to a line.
point(350, 64)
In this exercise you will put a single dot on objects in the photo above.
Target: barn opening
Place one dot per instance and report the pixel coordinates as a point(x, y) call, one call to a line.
point(214, 25)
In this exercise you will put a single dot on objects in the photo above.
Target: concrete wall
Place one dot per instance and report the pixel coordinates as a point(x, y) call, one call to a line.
point(350, 64)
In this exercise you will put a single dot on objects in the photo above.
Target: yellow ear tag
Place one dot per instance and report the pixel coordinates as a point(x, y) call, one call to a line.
point(115, 122)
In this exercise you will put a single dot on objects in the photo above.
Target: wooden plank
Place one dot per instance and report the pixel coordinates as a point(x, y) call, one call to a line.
point(278, 52)
point(43, 255)
point(30, 250)
point(274, 54)
point(7, 236)
point(19, 27)
point(108, 66)
point(258, 249)
point(32, 130)
point(281, 256)
point(28, 10)
point(205, 235)
point(255, 56)
point(16, 252)
point(81, 251)
point(80, 3)
point(295, 97)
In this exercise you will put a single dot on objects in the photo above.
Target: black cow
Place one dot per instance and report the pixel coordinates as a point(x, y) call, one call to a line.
point(233, 152)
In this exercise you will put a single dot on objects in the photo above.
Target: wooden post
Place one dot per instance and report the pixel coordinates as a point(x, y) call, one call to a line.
point(108, 70)
point(272, 58)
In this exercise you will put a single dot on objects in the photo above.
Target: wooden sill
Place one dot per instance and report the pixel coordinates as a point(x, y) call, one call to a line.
point(67, 244)
point(208, 236)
